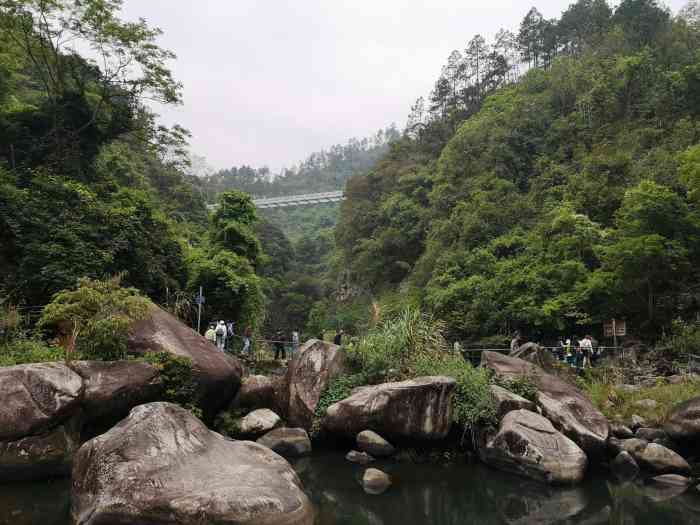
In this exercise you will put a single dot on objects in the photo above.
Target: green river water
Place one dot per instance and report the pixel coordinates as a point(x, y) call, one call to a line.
point(422, 494)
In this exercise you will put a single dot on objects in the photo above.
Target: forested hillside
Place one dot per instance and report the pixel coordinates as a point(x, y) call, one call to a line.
point(90, 184)
point(319, 172)
point(549, 182)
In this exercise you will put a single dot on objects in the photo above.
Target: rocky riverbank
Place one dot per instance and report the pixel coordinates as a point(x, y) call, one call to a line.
point(177, 467)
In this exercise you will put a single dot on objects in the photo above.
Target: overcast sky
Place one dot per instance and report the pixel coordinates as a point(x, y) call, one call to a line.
point(268, 82)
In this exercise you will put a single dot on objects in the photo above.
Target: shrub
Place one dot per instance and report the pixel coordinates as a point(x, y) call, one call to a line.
point(684, 338)
point(97, 316)
point(178, 379)
point(23, 351)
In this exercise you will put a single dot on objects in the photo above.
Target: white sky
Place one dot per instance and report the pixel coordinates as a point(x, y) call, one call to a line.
point(268, 82)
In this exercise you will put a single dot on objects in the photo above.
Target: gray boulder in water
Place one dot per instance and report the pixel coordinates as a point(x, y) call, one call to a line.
point(287, 442)
point(375, 481)
point(419, 408)
point(527, 444)
point(309, 373)
point(39, 420)
point(163, 465)
point(569, 409)
point(374, 444)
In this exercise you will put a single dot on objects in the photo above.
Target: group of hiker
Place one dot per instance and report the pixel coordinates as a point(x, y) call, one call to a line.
point(223, 336)
point(575, 352)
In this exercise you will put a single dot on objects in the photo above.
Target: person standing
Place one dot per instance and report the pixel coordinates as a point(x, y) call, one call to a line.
point(338, 339)
point(210, 334)
point(229, 336)
point(587, 349)
point(247, 334)
point(279, 345)
point(221, 335)
point(295, 342)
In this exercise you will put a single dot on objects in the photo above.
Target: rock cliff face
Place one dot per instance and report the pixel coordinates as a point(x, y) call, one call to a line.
point(527, 444)
point(417, 409)
point(309, 373)
point(218, 375)
point(569, 410)
point(163, 465)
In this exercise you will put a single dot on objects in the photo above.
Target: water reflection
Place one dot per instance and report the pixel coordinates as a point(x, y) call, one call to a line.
point(425, 494)
point(45, 503)
point(466, 494)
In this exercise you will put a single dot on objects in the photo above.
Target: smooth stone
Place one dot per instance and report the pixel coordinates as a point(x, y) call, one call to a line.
point(163, 465)
point(624, 466)
point(287, 442)
point(374, 444)
point(660, 460)
point(649, 434)
point(528, 444)
point(419, 408)
point(683, 423)
point(375, 482)
point(634, 446)
point(258, 422)
point(361, 458)
point(621, 431)
point(565, 405)
point(309, 372)
point(636, 422)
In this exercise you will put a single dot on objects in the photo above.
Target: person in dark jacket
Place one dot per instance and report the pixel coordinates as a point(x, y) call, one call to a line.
point(279, 345)
point(338, 339)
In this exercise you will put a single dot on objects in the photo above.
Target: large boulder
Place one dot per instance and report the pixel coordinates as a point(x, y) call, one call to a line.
point(36, 398)
point(218, 374)
point(417, 409)
point(257, 391)
point(527, 444)
point(112, 389)
point(40, 420)
point(506, 401)
point(309, 373)
point(683, 424)
point(163, 465)
point(569, 410)
point(287, 442)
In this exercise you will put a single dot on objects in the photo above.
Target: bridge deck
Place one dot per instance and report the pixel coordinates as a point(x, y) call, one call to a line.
point(307, 199)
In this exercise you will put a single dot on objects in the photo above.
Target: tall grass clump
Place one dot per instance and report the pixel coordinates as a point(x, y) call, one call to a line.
point(412, 344)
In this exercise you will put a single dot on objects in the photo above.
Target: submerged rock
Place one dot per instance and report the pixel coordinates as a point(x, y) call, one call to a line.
point(287, 442)
point(218, 375)
point(569, 409)
point(419, 408)
point(162, 465)
point(375, 482)
point(362, 458)
point(527, 444)
point(374, 444)
point(309, 373)
point(258, 422)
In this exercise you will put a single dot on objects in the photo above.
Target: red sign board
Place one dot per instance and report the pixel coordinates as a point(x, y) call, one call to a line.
point(616, 327)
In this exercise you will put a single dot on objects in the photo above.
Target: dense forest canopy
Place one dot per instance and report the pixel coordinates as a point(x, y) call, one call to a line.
point(548, 183)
